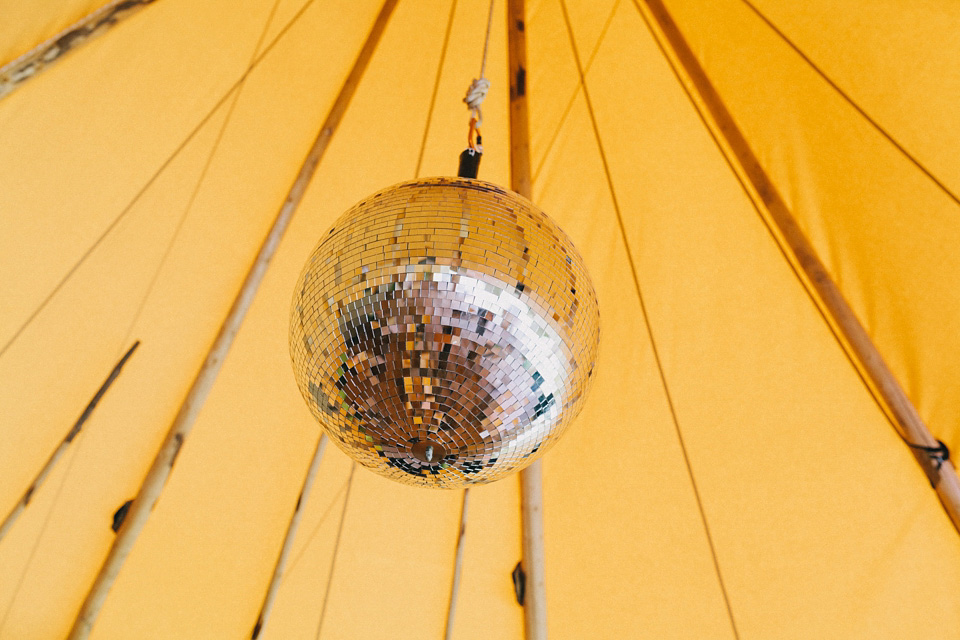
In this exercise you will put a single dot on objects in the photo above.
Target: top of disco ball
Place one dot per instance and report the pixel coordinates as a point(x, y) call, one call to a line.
point(444, 332)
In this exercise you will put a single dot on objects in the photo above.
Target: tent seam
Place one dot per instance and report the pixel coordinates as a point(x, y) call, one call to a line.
point(436, 87)
point(856, 107)
point(757, 207)
point(855, 343)
point(78, 446)
point(163, 166)
point(326, 512)
point(336, 549)
point(188, 208)
point(576, 91)
point(649, 327)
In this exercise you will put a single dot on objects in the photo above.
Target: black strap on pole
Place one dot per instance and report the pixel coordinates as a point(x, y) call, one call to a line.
point(931, 459)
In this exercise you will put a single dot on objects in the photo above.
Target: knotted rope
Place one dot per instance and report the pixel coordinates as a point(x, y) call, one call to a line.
point(477, 92)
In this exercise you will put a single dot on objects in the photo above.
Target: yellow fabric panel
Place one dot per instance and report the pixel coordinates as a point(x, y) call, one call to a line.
point(487, 606)
point(590, 17)
point(48, 377)
point(626, 552)
point(449, 122)
point(553, 86)
point(92, 132)
point(395, 564)
point(897, 60)
point(228, 517)
point(296, 611)
point(53, 370)
point(552, 79)
point(491, 550)
point(27, 24)
point(886, 232)
point(16, 561)
point(823, 523)
point(56, 366)
point(80, 336)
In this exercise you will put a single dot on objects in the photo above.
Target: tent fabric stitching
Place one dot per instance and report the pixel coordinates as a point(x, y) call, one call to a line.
point(188, 208)
point(576, 91)
point(313, 533)
point(436, 87)
point(758, 209)
point(336, 549)
point(649, 328)
point(908, 419)
point(74, 431)
point(166, 163)
point(860, 110)
point(151, 489)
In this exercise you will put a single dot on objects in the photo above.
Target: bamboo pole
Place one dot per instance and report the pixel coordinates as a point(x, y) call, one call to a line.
point(183, 423)
point(457, 567)
point(534, 561)
point(867, 358)
point(16, 72)
point(531, 482)
point(519, 118)
point(64, 444)
point(291, 534)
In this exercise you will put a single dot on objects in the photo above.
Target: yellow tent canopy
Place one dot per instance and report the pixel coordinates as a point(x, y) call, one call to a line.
point(737, 471)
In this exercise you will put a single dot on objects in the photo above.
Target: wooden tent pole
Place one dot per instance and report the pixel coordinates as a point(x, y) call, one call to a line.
point(858, 344)
point(38, 481)
point(288, 539)
point(531, 482)
point(534, 561)
point(457, 567)
point(159, 471)
point(520, 180)
point(16, 72)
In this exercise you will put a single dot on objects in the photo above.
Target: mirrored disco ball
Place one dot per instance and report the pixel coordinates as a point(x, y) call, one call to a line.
point(444, 332)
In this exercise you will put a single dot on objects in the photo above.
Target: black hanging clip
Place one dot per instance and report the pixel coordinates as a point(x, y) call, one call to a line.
point(469, 163)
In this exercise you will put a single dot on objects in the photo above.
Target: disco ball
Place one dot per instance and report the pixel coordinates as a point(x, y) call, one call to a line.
point(444, 332)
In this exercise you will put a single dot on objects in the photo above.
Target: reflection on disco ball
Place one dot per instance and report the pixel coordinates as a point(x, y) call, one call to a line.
point(444, 332)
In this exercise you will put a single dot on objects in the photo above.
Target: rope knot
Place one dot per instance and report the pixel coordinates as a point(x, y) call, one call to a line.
point(476, 94)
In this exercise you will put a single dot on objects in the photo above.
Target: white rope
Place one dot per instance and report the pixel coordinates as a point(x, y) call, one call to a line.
point(477, 91)
point(476, 94)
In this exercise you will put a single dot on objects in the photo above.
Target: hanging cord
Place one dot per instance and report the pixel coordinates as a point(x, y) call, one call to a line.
point(477, 92)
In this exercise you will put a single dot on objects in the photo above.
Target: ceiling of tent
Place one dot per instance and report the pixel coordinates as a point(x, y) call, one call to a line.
point(27, 25)
point(731, 474)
